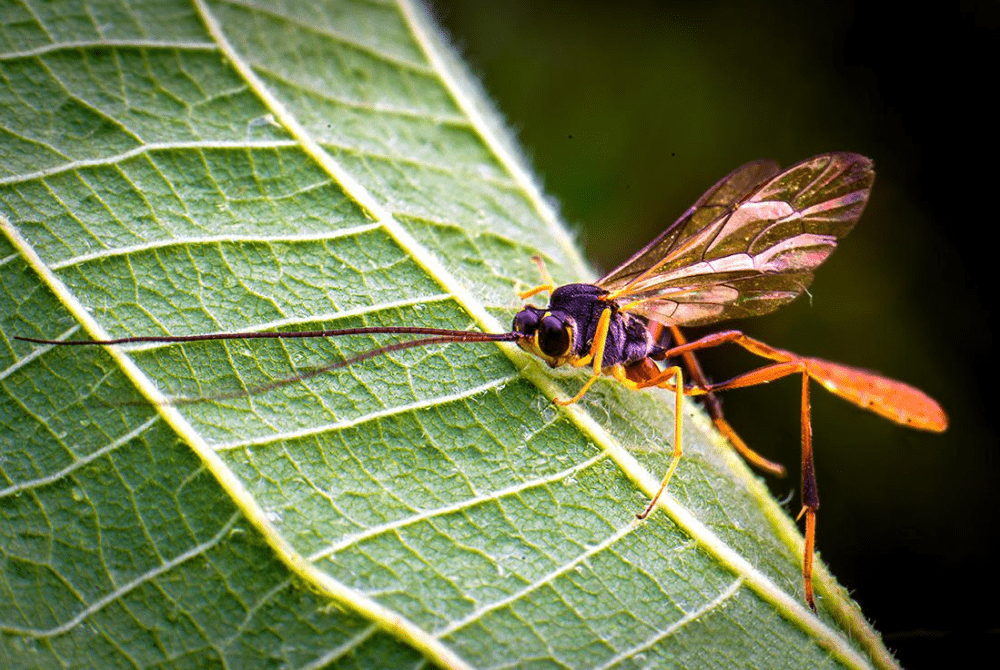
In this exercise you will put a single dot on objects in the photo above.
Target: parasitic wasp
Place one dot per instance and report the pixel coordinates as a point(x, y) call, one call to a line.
point(746, 247)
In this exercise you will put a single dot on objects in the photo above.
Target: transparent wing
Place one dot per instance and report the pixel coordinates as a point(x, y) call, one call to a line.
point(709, 208)
point(749, 245)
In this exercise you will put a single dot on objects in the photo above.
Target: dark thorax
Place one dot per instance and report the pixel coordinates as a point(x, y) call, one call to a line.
point(564, 331)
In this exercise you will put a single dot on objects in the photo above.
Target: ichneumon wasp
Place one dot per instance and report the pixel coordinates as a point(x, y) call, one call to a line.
point(747, 246)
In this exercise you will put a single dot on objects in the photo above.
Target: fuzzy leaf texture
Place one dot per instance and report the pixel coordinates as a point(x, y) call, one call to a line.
point(179, 167)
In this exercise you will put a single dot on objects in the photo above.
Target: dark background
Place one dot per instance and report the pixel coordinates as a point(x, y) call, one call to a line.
point(629, 112)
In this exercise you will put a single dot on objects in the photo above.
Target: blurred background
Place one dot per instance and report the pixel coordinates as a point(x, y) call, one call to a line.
point(629, 111)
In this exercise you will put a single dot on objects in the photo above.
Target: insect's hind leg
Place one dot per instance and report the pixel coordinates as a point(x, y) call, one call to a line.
point(810, 491)
point(810, 496)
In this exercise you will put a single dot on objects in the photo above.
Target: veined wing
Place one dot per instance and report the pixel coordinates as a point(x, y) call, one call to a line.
point(710, 207)
point(747, 246)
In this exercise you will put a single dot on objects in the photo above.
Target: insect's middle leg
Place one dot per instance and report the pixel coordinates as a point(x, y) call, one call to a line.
point(640, 376)
point(787, 364)
point(714, 408)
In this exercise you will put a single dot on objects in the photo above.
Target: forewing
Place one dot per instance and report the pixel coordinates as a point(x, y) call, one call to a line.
point(754, 256)
point(710, 207)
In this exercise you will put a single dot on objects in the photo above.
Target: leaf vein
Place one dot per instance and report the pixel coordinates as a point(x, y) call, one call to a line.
point(342, 650)
point(128, 587)
point(145, 148)
point(593, 550)
point(439, 168)
point(105, 44)
point(80, 461)
point(378, 108)
point(207, 240)
point(125, 130)
point(356, 538)
point(333, 35)
point(33, 354)
point(366, 418)
point(708, 607)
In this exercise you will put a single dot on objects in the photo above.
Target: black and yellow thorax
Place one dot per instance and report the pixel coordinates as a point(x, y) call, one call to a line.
point(564, 331)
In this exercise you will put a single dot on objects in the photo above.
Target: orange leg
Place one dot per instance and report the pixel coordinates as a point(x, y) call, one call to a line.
point(887, 397)
point(714, 408)
point(631, 379)
point(810, 491)
point(596, 356)
point(810, 496)
point(549, 284)
point(788, 364)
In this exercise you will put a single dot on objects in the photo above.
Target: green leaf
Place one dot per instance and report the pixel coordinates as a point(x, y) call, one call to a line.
point(176, 168)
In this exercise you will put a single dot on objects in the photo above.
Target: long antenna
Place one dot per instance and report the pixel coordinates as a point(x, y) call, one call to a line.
point(347, 362)
point(438, 335)
point(435, 336)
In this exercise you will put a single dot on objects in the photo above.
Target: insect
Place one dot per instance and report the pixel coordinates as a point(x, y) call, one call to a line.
point(749, 245)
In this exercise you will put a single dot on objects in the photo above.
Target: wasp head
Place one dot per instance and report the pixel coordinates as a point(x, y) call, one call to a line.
point(548, 335)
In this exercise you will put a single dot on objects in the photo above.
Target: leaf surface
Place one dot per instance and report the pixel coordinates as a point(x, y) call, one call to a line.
point(176, 168)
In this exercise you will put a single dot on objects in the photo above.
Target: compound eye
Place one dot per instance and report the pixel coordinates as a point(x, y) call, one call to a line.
point(525, 321)
point(553, 336)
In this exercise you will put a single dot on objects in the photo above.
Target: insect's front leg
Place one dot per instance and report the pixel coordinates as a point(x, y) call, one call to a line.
point(549, 284)
point(596, 356)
